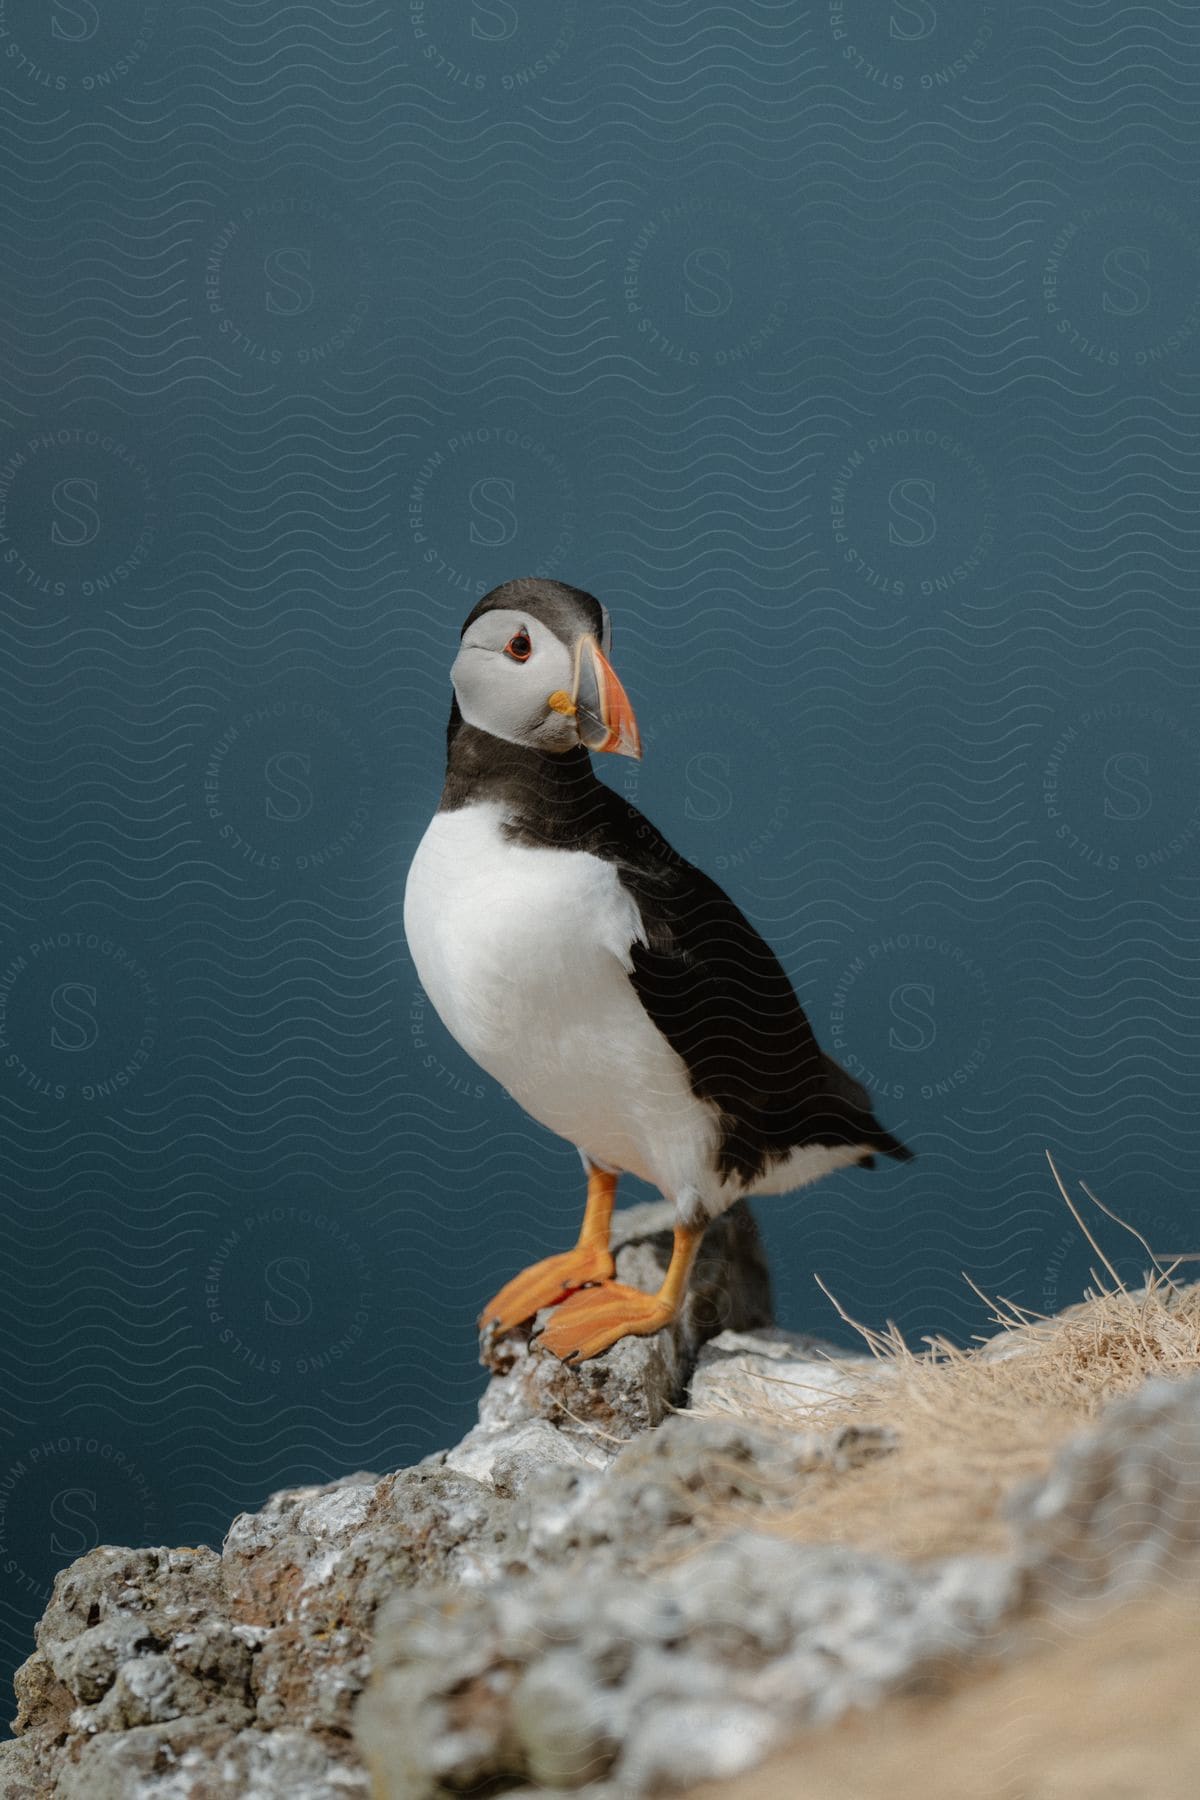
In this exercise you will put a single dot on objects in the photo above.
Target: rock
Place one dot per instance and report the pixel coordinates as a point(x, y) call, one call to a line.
point(146, 1658)
point(507, 1457)
point(782, 1373)
point(156, 1667)
point(136, 1637)
point(560, 1718)
point(566, 1683)
point(632, 1386)
point(544, 1609)
point(145, 1679)
point(774, 1377)
point(682, 1745)
point(1121, 1506)
point(631, 1673)
point(191, 1763)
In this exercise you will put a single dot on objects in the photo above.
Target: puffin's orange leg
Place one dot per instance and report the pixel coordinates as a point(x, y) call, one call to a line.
point(546, 1283)
point(593, 1320)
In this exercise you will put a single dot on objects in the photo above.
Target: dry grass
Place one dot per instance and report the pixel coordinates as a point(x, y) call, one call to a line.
point(969, 1424)
point(1102, 1711)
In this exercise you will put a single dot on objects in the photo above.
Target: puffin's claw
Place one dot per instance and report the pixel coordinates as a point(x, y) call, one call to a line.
point(591, 1321)
point(545, 1283)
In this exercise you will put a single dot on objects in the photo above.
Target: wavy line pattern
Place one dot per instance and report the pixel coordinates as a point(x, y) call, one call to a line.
point(852, 354)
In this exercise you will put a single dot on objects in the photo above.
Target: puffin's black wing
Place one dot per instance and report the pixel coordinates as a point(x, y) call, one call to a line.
point(719, 995)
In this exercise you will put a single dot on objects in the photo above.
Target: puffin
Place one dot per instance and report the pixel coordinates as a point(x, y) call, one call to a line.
point(616, 992)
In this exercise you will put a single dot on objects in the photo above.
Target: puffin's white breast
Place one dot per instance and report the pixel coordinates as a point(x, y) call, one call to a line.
point(524, 952)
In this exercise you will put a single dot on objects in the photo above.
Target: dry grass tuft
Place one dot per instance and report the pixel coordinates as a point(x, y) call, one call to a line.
point(969, 1424)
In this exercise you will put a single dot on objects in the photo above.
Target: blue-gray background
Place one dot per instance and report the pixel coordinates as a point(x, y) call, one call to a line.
point(849, 351)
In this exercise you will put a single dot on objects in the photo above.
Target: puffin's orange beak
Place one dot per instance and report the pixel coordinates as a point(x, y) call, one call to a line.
point(603, 715)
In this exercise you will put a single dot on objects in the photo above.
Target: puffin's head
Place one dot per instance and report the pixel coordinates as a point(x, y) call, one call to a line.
point(533, 669)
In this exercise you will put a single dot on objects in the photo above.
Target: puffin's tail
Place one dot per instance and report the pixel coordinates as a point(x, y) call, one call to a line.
point(883, 1141)
point(854, 1104)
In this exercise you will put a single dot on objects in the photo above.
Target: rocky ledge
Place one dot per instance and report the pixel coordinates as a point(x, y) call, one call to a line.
point(543, 1607)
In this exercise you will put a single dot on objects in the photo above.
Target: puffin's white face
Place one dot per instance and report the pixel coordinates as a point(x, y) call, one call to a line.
point(507, 667)
point(517, 680)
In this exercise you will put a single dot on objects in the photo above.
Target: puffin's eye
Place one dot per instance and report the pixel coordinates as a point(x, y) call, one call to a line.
point(519, 647)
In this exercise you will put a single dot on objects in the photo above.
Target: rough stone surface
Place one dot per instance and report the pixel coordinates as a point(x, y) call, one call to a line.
point(149, 1675)
point(793, 1377)
point(791, 1374)
point(635, 1657)
point(635, 1384)
point(189, 1762)
point(541, 1610)
point(189, 1674)
point(1121, 1507)
point(568, 1682)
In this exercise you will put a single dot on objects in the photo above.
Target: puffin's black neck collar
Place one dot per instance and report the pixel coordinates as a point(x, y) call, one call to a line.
point(550, 798)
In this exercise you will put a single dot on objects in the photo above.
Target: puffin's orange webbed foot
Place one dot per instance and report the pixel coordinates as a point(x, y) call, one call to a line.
point(545, 1284)
point(594, 1320)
